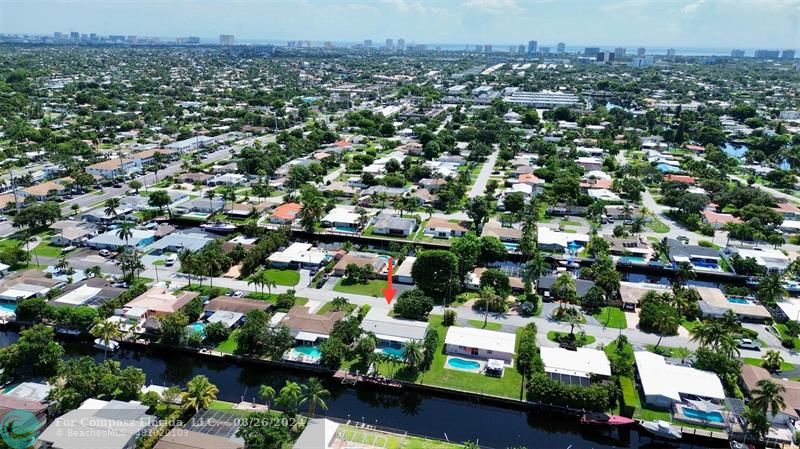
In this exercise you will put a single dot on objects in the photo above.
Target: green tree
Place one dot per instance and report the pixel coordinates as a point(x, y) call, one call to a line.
point(413, 354)
point(436, 272)
point(199, 394)
point(314, 394)
point(768, 397)
point(106, 331)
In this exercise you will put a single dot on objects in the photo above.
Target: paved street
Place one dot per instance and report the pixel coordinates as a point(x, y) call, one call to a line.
point(479, 187)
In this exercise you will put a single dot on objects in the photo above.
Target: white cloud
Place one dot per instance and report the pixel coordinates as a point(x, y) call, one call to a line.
point(691, 8)
point(494, 6)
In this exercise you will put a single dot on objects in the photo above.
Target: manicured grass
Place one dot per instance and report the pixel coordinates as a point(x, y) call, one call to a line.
point(328, 306)
point(273, 297)
point(373, 287)
point(657, 225)
point(288, 278)
point(666, 351)
point(506, 386)
point(391, 441)
point(782, 330)
point(229, 346)
point(489, 325)
point(690, 325)
point(587, 339)
point(10, 243)
point(757, 362)
point(612, 317)
point(228, 407)
point(45, 249)
point(159, 262)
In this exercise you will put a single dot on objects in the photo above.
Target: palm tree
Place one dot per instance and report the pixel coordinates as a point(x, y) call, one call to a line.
point(267, 393)
point(770, 289)
point(638, 224)
point(682, 353)
point(708, 334)
point(768, 397)
point(213, 265)
point(106, 331)
point(413, 353)
point(257, 279)
point(772, 361)
point(199, 394)
point(660, 248)
point(210, 194)
point(563, 289)
point(534, 268)
point(289, 397)
point(666, 323)
point(490, 300)
point(314, 393)
point(112, 207)
point(125, 231)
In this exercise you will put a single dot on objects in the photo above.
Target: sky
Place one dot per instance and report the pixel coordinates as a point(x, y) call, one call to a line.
point(654, 23)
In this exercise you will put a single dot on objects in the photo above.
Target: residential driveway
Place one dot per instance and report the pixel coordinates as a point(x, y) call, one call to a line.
point(483, 177)
point(632, 320)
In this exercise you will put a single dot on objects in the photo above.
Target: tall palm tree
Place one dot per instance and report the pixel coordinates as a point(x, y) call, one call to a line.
point(770, 289)
point(210, 194)
point(125, 231)
point(112, 207)
point(534, 268)
point(768, 397)
point(106, 331)
point(267, 393)
point(257, 279)
point(660, 248)
point(708, 334)
point(199, 394)
point(666, 322)
point(314, 394)
point(772, 360)
point(212, 265)
point(187, 260)
point(289, 397)
point(638, 224)
point(413, 353)
point(490, 300)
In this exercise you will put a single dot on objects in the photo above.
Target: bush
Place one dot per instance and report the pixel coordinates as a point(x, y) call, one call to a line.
point(707, 230)
point(413, 304)
point(528, 359)
point(285, 301)
point(449, 318)
point(527, 308)
point(787, 342)
point(362, 311)
point(705, 244)
point(216, 333)
point(597, 396)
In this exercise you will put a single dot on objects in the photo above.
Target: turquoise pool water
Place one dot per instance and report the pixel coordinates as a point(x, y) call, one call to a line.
point(344, 229)
point(394, 352)
point(703, 416)
point(310, 351)
point(633, 259)
point(200, 215)
point(455, 362)
point(735, 300)
point(511, 246)
point(8, 307)
point(198, 327)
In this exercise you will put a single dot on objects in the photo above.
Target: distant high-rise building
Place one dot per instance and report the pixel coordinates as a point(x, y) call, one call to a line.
point(93, 36)
point(511, 49)
point(389, 43)
point(193, 40)
point(544, 50)
point(226, 39)
point(367, 43)
point(605, 57)
point(561, 47)
point(401, 44)
point(787, 54)
point(74, 35)
point(619, 52)
point(487, 48)
point(532, 47)
point(591, 52)
point(521, 50)
point(328, 44)
point(641, 52)
point(767, 54)
point(57, 35)
point(644, 61)
point(737, 53)
point(670, 52)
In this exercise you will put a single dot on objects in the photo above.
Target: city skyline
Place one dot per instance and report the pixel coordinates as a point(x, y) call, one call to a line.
point(683, 23)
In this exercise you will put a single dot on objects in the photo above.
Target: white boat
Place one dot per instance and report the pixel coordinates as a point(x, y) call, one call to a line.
point(662, 429)
point(112, 345)
point(219, 226)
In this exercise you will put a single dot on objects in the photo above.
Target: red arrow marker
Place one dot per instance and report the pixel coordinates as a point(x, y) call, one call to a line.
point(389, 292)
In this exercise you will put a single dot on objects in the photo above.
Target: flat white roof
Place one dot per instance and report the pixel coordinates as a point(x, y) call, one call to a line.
point(393, 329)
point(339, 215)
point(405, 268)
point(300, 253)
point(78, 296)
point(482, 339)
point(659, 378)
point(581, 363)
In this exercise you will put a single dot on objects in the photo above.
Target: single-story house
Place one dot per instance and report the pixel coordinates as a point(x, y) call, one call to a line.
point(309, 327)
point(340, 218)
point(139, 202)
point(628, 246)
point(774, 260)
point(700, 257)
point(202, 205)
point(89, 292)
point(714, 304)
point(402, 274)
point(391, 225)
point(228, 179)
point(27, 284)
point(432, 184)
point(110, 240)
point(285, 214)
point(631, 293)
point(378, 263)
point(299, 255)
point(783, 424)
point(574, 367)
point(444, 229)
point(717, 220)
point(550, 239)
point(582, 286)
point(231, 304)
point(393, 332)
point(683, 179)
point(178, 241)
point(73, 236)
point(788, 210)
point(480, 343)
point(664, 384)
point(43, 191)
point(157, 301)
point(192, 178)
point(88, 426)
point(619, 212)
point(99, 215)
point(494, 228)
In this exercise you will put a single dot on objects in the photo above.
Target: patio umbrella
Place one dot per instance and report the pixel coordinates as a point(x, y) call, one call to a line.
point(704, 406)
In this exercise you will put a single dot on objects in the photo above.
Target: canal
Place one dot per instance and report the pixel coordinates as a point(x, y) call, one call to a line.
point(418, 413)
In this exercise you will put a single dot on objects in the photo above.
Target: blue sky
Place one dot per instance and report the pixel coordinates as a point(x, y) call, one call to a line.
point(656, 23)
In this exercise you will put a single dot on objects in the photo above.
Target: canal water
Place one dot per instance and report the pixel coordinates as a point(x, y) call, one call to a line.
point(416, 413)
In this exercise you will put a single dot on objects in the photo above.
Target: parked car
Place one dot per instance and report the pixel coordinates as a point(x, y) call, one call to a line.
point(104, 252)
point(237, 294)
point(171, 260)
point(746, 343)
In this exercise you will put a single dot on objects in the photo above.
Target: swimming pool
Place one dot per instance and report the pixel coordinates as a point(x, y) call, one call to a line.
point(344, 229)
point(199, 328)
point(198, 215)
point(511, 246)
point(735, 300)
point(393, 352)
point(457, 363)
point(631, 259)
point(8, 308)
point(308, 351)
point(713, 416)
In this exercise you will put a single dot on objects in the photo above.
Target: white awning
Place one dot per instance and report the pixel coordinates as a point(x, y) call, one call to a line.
point(309, 336)
point(494, 364)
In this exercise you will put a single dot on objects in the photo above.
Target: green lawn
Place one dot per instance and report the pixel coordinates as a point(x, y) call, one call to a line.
point(489, 325)
point(506, 386)
point(782, 330)
point(690, 325)
point(587, 339)
point(612, 317)
point(373, 287)
point(288, 278)
point(785, 366)
point(391, 441)
point(666, 351)
point(10, 243)
point(45, 249)
point(328, 306)
point(657, 225)
point(272, 297)
point(228, 346)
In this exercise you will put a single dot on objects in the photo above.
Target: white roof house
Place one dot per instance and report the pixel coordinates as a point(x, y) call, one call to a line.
point(467, 337)
point(549, 238)
point(228, 319)
point(391, 329)
point(574, 366)
point(339, 216)
point(769, 258)
point(663, 384)
point(299, 253)
point(79, 296)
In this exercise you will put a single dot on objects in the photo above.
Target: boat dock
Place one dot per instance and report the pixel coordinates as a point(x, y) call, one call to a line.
point(352, 379)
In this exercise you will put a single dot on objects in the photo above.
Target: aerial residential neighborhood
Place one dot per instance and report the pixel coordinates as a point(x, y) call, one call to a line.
point(225, 243)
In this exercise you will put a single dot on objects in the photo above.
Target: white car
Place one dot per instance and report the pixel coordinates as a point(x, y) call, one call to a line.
point(238, 294)
point(746, 343)
point(171, 260)
point(104, 252)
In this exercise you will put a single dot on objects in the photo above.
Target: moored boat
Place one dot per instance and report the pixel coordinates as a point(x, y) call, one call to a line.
point(109, 345)
point(605, 419)
point(661, 429)
point(219, 226)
